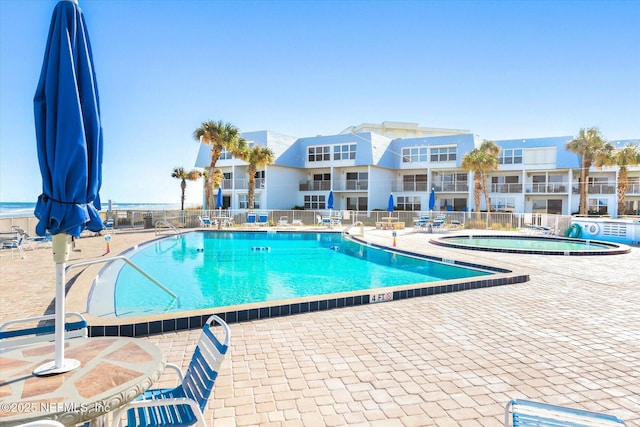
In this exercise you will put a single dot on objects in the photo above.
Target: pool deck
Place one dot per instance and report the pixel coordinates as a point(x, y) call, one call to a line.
point(569, 336)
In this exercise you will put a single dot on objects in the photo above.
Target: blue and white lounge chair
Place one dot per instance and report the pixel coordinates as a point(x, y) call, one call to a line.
point(14, 242)
point(183, 405)
point(251, 220)
point(263, 219)
point(527, 413)
point(205, 221)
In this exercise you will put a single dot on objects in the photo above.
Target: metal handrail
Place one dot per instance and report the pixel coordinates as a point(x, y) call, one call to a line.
point(353, 225)
point(166, 225)
point(128, 261)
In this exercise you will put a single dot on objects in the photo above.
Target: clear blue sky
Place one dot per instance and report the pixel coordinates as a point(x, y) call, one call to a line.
point(502, 69)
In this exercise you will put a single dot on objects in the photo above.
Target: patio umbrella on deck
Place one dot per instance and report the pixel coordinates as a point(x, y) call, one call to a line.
point(390, 204)
point(219, 198)
point(330, 207)
point(69, 145)
point(432, 201)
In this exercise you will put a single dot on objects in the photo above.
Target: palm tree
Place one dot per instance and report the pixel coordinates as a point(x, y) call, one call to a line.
point(216, 179)
point(183, 176)
point(472, 161)
point(590, 146)
point(257, 157)
point(623, 158)
point(490, 163)
point(481, 161)
point(220, 136)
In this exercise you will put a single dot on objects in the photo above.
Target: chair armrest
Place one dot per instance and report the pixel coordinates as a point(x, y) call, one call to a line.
point(117, 415)
point(177, 369)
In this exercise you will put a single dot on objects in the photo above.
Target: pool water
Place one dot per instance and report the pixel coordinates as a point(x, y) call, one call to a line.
point(219, 269)
point(515, 242)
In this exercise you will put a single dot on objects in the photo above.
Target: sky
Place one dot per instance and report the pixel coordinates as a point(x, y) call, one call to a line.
point(501, 69)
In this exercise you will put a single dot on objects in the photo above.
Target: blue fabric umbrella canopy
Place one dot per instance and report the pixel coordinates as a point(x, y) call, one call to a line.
point(330, 200)
point(432, 199)
point(390, 203)
point(219, 198)
point(69, 145)
point(68, 129)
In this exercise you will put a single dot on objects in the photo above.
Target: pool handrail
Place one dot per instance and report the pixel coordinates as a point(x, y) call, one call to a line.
point(128, 261)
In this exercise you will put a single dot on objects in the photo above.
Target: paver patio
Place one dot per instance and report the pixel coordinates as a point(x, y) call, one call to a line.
point(569, 336)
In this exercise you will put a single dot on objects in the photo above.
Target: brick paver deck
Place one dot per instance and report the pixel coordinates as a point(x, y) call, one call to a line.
point(569, 336)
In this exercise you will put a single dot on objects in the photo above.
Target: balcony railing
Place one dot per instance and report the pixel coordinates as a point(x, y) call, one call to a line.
point(400, 186)
point(314, 186)
point(602, 189)
point(351, 185)
point(241, 184)
point(633, 189)
point(546, 187)
point(461, 187)
point(506, 188)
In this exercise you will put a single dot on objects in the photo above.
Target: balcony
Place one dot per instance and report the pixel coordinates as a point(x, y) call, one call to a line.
point(633, 189)
point(241, 184)
point(400, 186)
point(506, 188)
point(314, 186)
point(452, 187)
point(602, 189)
point(546, 187)
point(351, 185)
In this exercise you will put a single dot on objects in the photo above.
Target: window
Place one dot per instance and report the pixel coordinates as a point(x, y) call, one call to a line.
point(357, 203)
point(598, 206)
point(357, 180)
point(344, 152)
point(510, 156)
point(225, 155)
point(414, 154)
point(444, 154)
point(408, 203)
point(313, 201)
point(320, 153)
point(452, 182)
point(321, 181)
point(243, 202)
point(414, 183)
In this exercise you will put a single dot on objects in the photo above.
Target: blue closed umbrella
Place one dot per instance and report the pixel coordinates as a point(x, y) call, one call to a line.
point(390, 203)
point(219, 198)
point(330, 200)
point(69, 145)
point(432, 199)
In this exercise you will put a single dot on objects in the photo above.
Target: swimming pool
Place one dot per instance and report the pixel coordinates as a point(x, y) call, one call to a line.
point(538, 245)
point(220, 269)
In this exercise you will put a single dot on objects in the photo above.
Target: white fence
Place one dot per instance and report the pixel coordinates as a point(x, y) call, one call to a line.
point(132, 219)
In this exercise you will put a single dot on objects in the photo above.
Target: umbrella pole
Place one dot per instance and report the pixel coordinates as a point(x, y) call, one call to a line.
point(61, 247)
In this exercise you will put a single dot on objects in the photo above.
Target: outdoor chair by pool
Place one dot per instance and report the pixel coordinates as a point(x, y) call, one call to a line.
point(251, 220)
point(42, 423)
point(527, 413)
point(263, 219)
point(32, 330)
point(205, 221)
point(183, 405)
point(14, 243)
point(283, 221)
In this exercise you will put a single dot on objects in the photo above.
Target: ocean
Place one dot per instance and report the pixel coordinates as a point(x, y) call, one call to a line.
point(24, 209)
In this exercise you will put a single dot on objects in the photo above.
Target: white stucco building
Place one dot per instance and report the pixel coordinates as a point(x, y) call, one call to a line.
point(363, 164)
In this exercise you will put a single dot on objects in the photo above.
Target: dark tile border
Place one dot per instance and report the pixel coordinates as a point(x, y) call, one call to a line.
point(614, 249)
point(320, 304)
point(195, 322)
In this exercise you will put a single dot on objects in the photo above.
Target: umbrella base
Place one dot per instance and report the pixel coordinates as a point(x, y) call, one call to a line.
point(49, 368)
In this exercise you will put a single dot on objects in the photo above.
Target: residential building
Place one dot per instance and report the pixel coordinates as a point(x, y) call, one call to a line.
point(364, 164)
